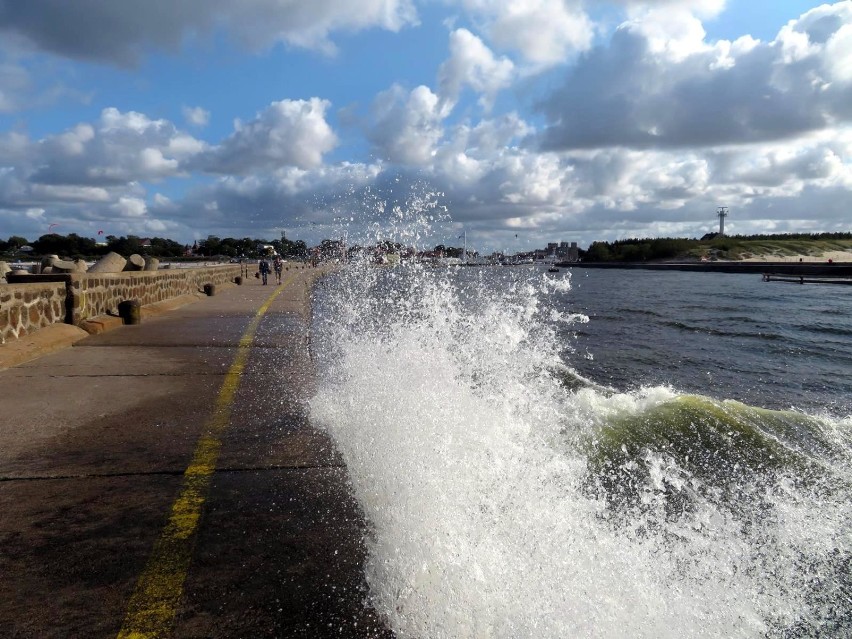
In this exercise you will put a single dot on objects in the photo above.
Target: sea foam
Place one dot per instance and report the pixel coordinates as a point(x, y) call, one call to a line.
point(494, 508)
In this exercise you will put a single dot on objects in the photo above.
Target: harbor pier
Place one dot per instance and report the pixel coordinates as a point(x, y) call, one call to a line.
point(163, 479)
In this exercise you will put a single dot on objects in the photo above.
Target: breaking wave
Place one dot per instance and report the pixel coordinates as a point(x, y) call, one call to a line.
point(508, 496)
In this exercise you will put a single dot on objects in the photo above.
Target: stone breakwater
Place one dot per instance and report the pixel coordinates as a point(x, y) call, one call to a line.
point(31, 302)
point(25, 308)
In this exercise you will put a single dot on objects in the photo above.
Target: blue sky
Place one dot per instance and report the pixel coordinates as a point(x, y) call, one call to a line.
point(526, 121)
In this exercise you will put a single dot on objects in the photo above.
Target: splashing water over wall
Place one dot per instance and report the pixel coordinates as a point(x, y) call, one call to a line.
point(503, 501)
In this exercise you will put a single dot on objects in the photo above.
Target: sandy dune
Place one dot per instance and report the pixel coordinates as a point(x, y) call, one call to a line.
point(834, 256)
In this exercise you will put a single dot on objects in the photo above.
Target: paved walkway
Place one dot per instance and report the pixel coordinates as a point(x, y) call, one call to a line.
point(162, 480)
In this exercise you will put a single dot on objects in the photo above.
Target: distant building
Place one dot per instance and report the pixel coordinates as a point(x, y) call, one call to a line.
point(569, 253)
point(561, 251)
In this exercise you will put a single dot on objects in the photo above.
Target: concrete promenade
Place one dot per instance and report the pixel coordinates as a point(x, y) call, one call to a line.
point(162, 480)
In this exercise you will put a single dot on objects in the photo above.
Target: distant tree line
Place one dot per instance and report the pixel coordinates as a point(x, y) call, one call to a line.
point(650, 249)
point(638, 250)
point(248, 247)
point(13, 244)
point(629, 250)
point(77, 247)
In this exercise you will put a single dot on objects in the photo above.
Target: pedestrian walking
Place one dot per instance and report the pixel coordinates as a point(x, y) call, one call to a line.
point(278, 265)
point(263, 269)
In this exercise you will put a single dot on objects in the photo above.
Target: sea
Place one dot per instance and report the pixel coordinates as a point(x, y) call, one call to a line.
point(593, 453)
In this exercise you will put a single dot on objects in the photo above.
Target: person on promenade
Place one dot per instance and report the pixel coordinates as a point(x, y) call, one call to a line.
point(278, 265)
point(263, 269)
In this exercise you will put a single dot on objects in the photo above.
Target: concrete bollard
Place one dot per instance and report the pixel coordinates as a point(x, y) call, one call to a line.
point(112, 262)
point(62, 266)
point(210, 289)
point(151, 263)
point(130, 311)
point(135, 263)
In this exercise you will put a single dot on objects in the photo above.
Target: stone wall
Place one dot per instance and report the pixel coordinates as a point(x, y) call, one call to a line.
point(25, 308)
point(100, 293)
point(30, 302)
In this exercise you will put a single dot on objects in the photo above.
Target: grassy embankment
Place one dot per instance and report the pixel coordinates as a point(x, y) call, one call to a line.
point(719, 248)
point(741, 249)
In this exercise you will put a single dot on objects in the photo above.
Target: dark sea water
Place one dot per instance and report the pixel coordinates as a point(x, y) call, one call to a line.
point(730, 336)
point(594, 454)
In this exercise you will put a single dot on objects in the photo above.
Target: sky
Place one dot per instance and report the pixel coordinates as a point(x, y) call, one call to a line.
point(512, 122)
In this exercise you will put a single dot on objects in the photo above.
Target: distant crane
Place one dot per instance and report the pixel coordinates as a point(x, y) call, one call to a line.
point(722, 212)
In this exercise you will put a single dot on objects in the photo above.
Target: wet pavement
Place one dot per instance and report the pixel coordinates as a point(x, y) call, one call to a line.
point(94, 442)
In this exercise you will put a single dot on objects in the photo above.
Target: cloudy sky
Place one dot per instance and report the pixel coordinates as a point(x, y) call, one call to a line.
point(527, 121)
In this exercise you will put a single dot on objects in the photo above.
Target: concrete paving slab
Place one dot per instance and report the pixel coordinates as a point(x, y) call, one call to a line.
point(297, 573)
point(81, 361)
point(105, 427)
point(71, 551)
point(178, 330)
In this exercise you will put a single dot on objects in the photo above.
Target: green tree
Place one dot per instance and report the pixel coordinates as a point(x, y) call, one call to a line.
point(211, 246)
point(228, 247)
point(16, 241)
point(161, 247)
point(124, 245)
point(53, 244)
point(633, 253)
point(245, 247)
point(289, 248)
point(296, 249)
point(598, 252)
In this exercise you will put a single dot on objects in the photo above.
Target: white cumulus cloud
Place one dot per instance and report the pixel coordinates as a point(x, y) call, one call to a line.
point(634, 93)
point(121, 147)
point(119, 32)
point(196, 116)
point(543, 32)
point(472, 64)
point(286, 133)
point(406, 127)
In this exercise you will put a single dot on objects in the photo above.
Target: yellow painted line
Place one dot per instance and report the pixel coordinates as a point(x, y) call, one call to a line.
point(153, 605)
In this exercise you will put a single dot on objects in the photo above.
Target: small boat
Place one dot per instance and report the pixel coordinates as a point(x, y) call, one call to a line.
point(553, 269)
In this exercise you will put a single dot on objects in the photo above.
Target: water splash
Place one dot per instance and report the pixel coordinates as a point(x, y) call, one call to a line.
point(503, 502)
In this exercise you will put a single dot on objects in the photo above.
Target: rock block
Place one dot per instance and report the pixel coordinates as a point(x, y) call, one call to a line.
point(110, 263)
